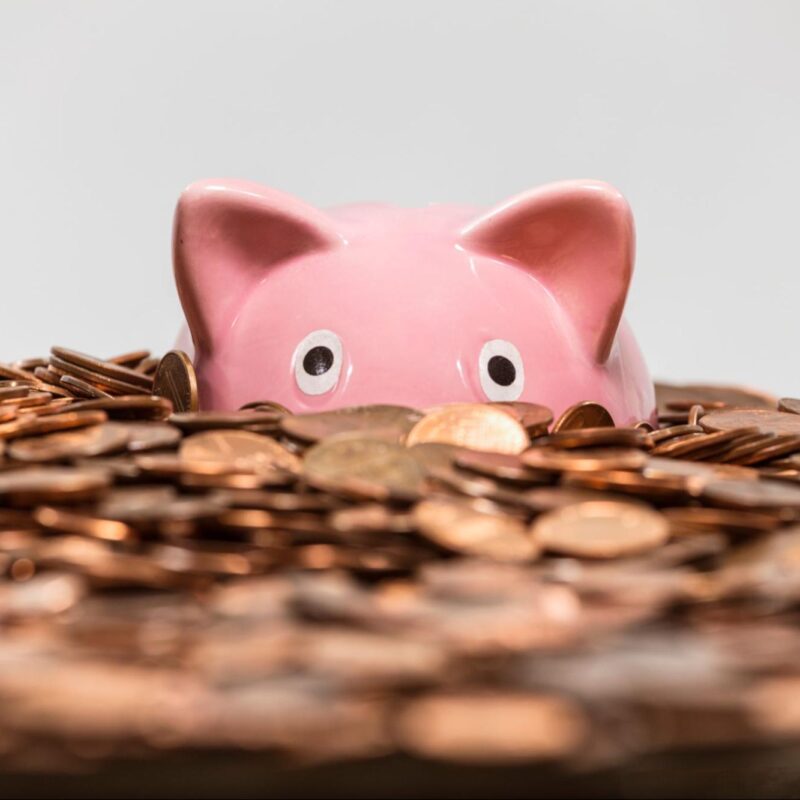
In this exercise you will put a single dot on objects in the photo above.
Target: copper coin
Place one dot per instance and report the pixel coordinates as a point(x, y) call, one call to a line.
point(791, 405)
point(596, 437)
point(764, 494)
point(194, 421)
point(51, 484)
point(777, 422)
point(108, 369)
point(491, 727)
point(351, 463)
point(31, 425)
point(83, 442)
point(697, 444)
point(711, 396)
point(144, 436)
point(583, 415)
point(601, 529)
point(472, 425)
point(497, 465)
point(533, 417)
point(590, 459)
point(81, 388)
point(242, 450)
point(129, 360)
point(672, 432)
point(461, 528)
point(101, 380)
point(397, 421)
point(128, 407)
point(720, 519)
point(63, 521)
point(175, 379)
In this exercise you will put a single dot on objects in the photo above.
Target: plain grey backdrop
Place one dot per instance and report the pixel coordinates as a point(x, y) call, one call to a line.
point(107, 109)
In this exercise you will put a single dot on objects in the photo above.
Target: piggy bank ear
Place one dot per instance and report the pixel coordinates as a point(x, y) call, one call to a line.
point(577, 238)
point(227, 235)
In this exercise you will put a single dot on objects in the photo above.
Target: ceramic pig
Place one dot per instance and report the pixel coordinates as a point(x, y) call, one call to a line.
point(376, 304)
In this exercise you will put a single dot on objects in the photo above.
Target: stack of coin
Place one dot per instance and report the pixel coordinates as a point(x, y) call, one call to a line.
point(469, 583)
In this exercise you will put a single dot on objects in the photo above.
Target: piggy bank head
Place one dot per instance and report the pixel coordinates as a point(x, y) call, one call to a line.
point(377, 304)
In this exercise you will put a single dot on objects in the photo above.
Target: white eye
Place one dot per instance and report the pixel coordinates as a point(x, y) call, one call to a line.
point(501, 370)
point(318, 362)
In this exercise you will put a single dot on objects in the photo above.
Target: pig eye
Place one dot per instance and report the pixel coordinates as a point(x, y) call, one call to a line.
point(501, 370)
point(318, 362)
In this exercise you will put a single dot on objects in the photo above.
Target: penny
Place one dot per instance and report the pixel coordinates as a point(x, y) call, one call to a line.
point(696, 445)
point(58, 519)
point(491, 727)
point(476, 426)
point(353, 464)
point(716, 519)
point(175, 379)
point(144, 436)
point(245, 451)
point(596, 437)
point(791, 405)
point(762, 495)
point(590, 459)
point(498, 465)
point(777, 422)
point(214, 420)
point(84, 442)
point(129, 360)
point(101, 380)
point(461, 528)
point(50, 484)
point(533, 417)
point(583, 415)
point(128, 407)
point(62, 421)
point(81, 388)
point(672, 432)
point(711, 396)
point(107, 369)
point(396, 421)
point(601, 529)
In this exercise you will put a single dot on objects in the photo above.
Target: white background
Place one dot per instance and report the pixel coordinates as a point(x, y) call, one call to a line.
point(107, 109)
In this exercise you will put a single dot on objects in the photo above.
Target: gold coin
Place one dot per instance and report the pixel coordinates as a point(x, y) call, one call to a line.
point(584, 415)
point(175, 379)
point(241, 450)
point(601, 529)
point(462, 528)
point(472, 425)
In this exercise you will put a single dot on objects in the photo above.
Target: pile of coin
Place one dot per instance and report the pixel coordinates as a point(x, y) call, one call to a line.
point(470, 583)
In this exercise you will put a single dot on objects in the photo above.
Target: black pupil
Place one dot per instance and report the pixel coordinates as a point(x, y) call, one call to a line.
point(319, 360)
point(502, 371)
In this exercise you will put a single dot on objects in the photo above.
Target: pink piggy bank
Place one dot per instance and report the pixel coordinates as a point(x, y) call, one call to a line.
point(376, 304)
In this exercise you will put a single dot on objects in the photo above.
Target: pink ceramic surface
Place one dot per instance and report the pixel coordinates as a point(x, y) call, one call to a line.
point(372, 303)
